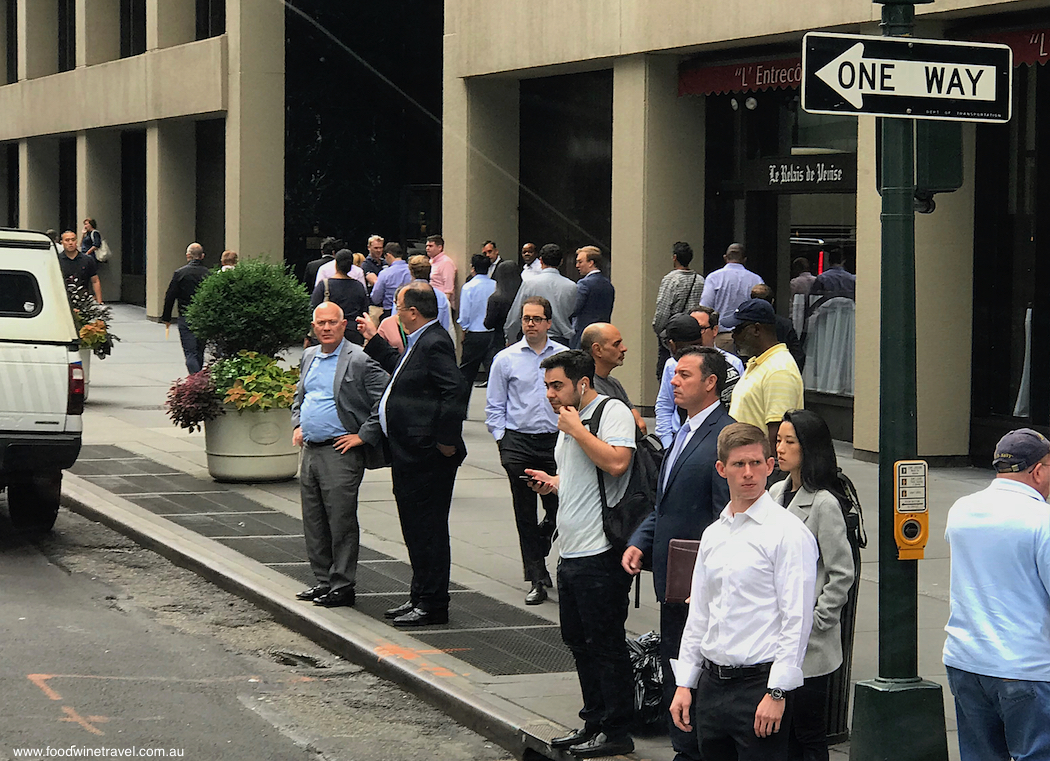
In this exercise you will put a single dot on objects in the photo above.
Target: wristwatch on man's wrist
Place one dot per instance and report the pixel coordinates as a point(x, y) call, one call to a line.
point(776, 693)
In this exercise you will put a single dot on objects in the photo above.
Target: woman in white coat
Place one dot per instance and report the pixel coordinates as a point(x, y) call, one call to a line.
point(806, 453)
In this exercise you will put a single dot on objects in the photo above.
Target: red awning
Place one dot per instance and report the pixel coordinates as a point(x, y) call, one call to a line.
point(783, 73)
point(1030, 46)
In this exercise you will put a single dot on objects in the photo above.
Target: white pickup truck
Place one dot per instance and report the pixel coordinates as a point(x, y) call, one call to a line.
point(41, 379)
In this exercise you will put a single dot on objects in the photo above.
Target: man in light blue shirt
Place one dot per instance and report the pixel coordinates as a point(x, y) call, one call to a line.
point(525, 426)
point(477, 339)
point(727, 288)
point(384, 292)
point(331, 417)
point(997, 653)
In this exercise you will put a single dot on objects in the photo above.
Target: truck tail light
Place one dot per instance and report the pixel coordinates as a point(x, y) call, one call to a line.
point(75, 402)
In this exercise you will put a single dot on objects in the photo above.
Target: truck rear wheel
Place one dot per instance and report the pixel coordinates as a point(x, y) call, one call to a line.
point(33, 500)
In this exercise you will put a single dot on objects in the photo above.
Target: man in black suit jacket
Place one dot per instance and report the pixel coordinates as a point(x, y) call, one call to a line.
point(328, 248)
point(690, 496)
point(421, 414)
point(594, 292)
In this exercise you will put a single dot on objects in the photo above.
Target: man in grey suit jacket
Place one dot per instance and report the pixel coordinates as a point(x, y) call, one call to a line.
point(339, 386)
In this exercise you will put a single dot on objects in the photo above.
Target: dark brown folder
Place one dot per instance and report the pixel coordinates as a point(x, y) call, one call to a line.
point(681, 558)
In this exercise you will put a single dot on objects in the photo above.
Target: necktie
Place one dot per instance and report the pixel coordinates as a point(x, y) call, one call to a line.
point(676, 450)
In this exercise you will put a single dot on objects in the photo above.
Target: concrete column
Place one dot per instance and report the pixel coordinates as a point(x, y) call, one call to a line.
point(98, 32)
point(255, 129)
point(173, 22)
point(37, 38)
point(657, 199)
point(171, 186)
point(455, 153)
point(38, 183)
point(99, 197)
point(943, 310)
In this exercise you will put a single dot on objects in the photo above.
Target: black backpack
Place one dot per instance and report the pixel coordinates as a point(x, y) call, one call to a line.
point(852, 513)
point(622, 519)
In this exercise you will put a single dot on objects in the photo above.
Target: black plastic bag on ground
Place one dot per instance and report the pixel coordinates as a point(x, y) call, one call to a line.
point(648, 678)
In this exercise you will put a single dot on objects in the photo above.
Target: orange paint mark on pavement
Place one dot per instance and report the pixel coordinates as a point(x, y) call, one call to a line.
point(86, 722)
point(394, 651)
point(40, 680)
point(438, 671)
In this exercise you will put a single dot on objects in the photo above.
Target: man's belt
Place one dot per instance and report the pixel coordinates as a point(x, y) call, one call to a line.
point(737, 672)
point(325, 443)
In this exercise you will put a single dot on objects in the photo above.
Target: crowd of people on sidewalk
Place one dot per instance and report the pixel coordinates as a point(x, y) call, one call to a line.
point(745, 473)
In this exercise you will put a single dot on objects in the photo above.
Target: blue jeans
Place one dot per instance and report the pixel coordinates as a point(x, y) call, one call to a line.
point(1001, 718)
point(192, 349)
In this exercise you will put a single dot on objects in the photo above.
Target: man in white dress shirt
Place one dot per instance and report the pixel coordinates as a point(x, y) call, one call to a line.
point(750, 612)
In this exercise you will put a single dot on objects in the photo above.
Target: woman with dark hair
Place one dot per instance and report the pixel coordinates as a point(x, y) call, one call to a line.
point(812, 491)
point(343, 290)
point(508, 281)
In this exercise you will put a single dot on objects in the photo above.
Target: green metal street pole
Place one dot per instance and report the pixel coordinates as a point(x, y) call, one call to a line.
point(898, 715)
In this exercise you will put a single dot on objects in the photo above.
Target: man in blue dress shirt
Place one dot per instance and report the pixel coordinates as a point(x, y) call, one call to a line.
point(384, 292)
point(727, 288)
point(338, 386)
point(473, 302)
point(525, 426)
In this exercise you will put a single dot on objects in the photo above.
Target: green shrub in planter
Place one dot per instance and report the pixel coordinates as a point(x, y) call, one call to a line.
point(256, 306)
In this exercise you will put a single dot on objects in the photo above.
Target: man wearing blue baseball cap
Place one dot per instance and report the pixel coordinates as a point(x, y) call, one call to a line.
point(997, 653)
point(772, 384)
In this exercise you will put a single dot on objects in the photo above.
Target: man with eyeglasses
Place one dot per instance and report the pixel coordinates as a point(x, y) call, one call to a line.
point(525, 427)
point(699, 328)
point(772, 384)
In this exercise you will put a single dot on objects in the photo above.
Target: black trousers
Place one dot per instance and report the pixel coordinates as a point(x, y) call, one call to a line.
point(476, 347)
point(518, 451)
point(725, 720)
point(192, 349)
point(672, 624)
point(592, 604)
point(808, 740)
point(424, 496)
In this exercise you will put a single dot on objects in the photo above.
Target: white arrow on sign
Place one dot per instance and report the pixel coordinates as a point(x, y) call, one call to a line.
point(852, 76)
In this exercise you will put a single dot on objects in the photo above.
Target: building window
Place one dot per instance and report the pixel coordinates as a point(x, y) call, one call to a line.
point(67, 183)
point(12, 184)
point(12, 41)
point(211, 18)
point(132, 27)
point(67, 35)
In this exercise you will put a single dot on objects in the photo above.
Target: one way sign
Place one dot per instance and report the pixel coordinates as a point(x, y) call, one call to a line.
point(901, 76)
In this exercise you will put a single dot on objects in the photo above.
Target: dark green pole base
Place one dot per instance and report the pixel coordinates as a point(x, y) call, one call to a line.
point(898, 720)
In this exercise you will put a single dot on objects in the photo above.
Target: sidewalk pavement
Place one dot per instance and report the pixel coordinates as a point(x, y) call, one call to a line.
point(126, 409)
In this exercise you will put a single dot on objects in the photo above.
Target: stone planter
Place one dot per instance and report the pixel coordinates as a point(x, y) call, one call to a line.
point(251, 446)
point(85, 360)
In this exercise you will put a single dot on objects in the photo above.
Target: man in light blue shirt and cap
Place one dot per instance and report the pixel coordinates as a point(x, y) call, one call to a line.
point(997, 652)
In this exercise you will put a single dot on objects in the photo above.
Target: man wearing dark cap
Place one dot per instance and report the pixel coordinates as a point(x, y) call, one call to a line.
point(997, 653)
point(772, 384)
point(699, 328)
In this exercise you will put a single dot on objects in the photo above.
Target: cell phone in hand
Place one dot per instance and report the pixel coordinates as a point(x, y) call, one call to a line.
point(530, 479)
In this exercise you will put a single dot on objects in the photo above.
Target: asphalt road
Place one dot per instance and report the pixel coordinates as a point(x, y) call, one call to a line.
point(106, 645)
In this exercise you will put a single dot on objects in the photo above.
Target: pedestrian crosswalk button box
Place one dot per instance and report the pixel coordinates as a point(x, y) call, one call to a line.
point(911, 519)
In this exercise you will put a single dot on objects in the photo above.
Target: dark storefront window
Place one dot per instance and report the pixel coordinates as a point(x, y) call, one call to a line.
point(132, 28)
point(67, 35)
point(566, 162)
point(133, 217)
point(783, 182)
point(11, 150)
point(1011, 329)
point(67, 184)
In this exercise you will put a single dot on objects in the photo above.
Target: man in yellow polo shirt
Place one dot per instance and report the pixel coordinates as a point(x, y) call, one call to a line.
point(772, 384)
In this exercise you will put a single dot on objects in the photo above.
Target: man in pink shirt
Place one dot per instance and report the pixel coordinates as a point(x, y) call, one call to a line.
point(442, 269)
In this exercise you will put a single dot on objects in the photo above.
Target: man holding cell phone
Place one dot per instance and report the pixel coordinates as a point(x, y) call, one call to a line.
point(525, 427)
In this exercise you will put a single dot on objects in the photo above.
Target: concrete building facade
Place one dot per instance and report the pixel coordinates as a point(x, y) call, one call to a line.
point(710, 145)
point(161, 119)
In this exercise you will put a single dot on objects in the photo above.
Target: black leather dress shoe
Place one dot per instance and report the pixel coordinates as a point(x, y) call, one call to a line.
point(313, 592)
point(603, 745)
point(537, 594)
point(400, 610)
point(420, 617)
point(344, 596)
point(575, 737)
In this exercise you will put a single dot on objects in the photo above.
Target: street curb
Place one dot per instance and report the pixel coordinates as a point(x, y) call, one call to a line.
point(379, 648)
